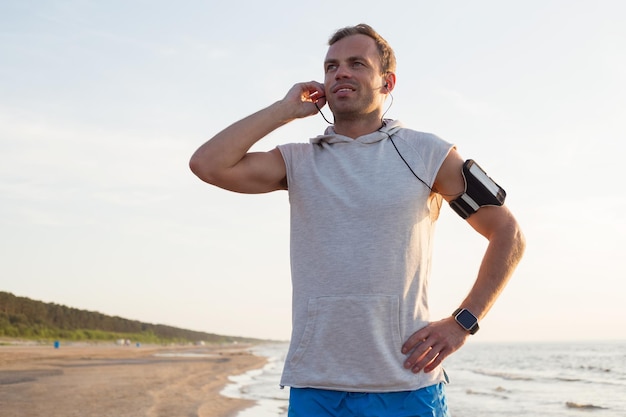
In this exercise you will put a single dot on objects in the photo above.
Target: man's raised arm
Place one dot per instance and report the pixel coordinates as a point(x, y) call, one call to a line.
point(225, 160)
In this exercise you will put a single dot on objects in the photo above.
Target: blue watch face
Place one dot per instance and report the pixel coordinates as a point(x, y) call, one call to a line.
point(466, 319)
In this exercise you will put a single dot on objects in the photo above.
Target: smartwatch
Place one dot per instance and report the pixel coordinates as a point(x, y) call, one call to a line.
point(466, 320)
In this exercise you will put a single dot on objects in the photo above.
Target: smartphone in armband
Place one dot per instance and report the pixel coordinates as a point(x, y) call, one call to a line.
point(480, 190)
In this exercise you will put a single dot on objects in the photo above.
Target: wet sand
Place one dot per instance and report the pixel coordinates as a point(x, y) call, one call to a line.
point(109, 380)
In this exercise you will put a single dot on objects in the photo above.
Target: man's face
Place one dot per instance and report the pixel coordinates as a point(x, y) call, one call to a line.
point(353, 82)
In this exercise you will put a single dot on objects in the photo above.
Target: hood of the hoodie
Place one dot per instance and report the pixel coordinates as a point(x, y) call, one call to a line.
point(389, 128)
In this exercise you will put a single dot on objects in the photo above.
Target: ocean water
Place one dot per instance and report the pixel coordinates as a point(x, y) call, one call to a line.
point(490, 379)
point(262, 385)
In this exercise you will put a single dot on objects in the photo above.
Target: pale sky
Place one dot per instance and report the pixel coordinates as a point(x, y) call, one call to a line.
point(103, 102)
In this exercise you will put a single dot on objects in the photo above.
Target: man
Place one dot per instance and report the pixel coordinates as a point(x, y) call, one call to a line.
point(364, 199)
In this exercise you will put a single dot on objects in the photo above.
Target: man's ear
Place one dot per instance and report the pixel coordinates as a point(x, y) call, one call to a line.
point(389, 81)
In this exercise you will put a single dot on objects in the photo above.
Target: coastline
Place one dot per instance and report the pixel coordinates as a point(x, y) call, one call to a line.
point(94, 380)
point(262, 386)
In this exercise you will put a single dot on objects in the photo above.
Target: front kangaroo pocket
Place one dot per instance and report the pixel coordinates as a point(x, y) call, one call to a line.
point(350, 340)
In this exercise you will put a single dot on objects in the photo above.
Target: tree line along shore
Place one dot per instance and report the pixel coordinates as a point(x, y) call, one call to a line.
point(24, 318)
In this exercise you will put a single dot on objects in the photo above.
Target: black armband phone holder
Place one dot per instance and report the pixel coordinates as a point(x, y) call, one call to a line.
point(480, 191)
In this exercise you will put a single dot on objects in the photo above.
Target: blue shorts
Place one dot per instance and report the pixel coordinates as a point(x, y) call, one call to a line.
point(424, 402)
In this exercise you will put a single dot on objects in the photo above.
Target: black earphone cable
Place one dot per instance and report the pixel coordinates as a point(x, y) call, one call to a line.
point(320, 110)
point(406, 163)
point(382, 117)
point(392, 142)
point(411, 169)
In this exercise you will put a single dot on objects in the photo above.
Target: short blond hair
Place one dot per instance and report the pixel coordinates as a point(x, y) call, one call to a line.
point(387, 56)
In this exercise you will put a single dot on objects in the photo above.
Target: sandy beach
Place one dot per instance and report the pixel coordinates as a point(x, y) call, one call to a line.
point(109, 380)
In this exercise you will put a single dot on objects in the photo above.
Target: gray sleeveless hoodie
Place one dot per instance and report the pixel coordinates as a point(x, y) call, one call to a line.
point(361, 242)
